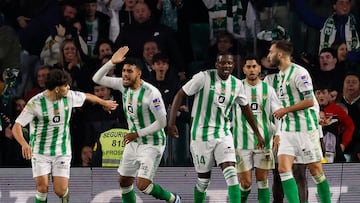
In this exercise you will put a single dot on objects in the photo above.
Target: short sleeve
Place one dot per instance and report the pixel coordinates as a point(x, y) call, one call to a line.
point(78, 98)
point(303, 81)
point(240, 95)
point(157, 105)
point(195, 84)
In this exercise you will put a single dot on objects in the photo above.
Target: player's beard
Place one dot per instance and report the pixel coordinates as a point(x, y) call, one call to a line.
point(275, 62)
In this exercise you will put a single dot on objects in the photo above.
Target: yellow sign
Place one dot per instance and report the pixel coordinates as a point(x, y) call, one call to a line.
point(112, 145)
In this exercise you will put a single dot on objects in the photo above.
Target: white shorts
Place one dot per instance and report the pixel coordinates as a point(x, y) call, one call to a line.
point(205, 154)
point(56, 165)
point(140, 160)
point(248, 159)
point(304, 146)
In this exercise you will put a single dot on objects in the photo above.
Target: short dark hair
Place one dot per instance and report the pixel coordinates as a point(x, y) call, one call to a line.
point(323, 86)
point(284, 45)
point(133, 61)
point(352, 73)
point(335, 1)
point(160, 57)
point(57, 77)
point(252, 56)
point(329, 50)
point(226, 53)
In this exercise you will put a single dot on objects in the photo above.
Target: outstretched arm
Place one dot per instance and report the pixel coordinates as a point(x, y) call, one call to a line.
point(107, 104)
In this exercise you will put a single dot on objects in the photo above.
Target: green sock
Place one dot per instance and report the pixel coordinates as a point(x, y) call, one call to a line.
point(199, 197)
point(129, 197)
point(159, 193)
point(244, 194)
point(40, 201)
point(290, 190)
point(234, 193)
point(264, 195)
point(324, 192)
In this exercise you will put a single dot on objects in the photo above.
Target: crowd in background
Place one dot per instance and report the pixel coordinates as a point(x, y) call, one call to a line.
point(80, 36)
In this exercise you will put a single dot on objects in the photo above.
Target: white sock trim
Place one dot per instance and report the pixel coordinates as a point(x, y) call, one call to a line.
point(319, 178)
point(230, 176)
point(202, 184)
point(125, 190)
point(263, 184)
point(244, 189)
point(148, 189)
point(286, 176)
point(41, 196)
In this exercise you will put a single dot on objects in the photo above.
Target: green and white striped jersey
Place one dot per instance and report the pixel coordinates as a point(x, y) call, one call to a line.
point(49, 122)
point(263, 102)
point(294, 83)
point(214, 98)
point(142, 106)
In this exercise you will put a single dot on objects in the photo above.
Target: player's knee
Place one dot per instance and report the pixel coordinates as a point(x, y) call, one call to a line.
point(125, 181)
point(143, 184)
point(60, 190)
point(245, 184)
point(202, 184)
point(42, 188)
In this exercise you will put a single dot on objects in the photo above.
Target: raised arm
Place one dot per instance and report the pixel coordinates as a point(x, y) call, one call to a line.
point(100, 76)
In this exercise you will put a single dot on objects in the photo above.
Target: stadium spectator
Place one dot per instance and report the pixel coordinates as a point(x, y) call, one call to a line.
point(351, 95)
point(145, 29)
point(341, 124)
point(225, 42)
point(79, 68)
point(328, 73)
point(97, 24)
point(96, 121)
point(126, 16)
point(41, 77)
point(341, 26)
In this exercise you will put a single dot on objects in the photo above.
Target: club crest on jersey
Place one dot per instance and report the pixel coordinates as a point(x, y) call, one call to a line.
point(305, 80)
point(156, 102)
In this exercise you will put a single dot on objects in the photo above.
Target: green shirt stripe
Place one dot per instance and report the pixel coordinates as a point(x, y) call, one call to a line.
point(45, 127)
point(208, 107)
point(66, 134)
